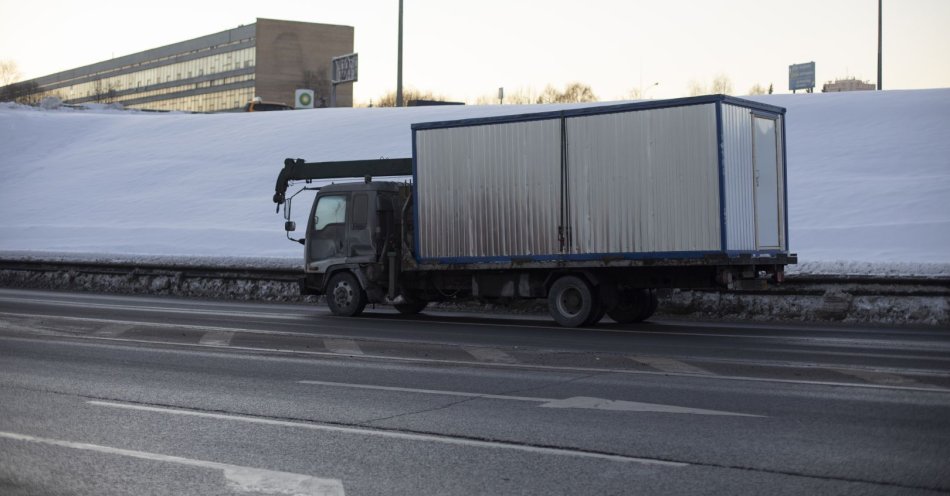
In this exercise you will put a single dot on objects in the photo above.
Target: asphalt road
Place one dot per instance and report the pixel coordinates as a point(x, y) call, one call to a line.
point(142, 395)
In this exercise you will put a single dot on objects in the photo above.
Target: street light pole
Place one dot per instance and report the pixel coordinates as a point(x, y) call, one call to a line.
point(880, 82)
point(399, 62)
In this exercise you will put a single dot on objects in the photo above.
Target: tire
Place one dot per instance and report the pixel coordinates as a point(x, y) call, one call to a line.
point(345, 296)
point(571, 302)
point(634, 306)
point(596, 316)
point(410, 307)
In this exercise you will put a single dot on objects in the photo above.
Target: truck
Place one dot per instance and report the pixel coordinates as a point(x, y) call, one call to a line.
point(592, 208)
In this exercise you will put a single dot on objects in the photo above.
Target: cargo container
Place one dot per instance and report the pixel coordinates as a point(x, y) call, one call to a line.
point(593, 208)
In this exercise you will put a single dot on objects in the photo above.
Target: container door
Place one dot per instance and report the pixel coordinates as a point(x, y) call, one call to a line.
point(766, 165)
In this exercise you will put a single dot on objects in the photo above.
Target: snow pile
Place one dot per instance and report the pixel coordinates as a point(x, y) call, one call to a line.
point(869, 177)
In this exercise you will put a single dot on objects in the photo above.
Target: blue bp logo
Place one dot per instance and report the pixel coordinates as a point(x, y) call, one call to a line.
point(305, 99)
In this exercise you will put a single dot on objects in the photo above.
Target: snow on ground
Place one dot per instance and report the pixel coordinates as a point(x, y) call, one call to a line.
point(869, 178)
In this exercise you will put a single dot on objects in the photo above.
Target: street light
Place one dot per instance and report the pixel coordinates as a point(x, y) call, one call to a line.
point(880, 82)
point(399, 62)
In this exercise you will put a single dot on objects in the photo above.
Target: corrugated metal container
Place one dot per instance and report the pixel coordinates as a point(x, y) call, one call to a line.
point(663, 179)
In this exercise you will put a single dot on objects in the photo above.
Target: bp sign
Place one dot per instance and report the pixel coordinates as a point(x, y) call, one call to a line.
point(303, 99)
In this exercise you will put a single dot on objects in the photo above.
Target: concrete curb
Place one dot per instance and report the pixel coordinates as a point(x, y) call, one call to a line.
point(881, 300)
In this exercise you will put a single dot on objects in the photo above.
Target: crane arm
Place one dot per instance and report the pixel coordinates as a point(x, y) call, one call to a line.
point(298, 170)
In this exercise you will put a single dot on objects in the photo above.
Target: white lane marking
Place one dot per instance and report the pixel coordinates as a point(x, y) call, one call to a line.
point(424, 391)
point(112, 330)
point(917, 345)
point(216, 338)
point(295, 354)
point(239, 478)
point(669, 365)
point(471, 443)
point(489, 355)
point(877, 377)
point(575, 402)
point(344, 346)
point(634, 406)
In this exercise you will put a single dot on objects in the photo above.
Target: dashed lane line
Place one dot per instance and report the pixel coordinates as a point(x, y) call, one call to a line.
point(217, 338)
point(113, 330)
point(881, 378)
point(239, 478)
point(342, 346)
point(664, 364)
point(490, 355)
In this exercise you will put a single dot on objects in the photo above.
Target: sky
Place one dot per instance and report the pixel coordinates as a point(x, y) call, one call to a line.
point(465, 50)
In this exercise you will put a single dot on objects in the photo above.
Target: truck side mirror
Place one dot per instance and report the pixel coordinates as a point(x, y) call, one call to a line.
point(290, 226)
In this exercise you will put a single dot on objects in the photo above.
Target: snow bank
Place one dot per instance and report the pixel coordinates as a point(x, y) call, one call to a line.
point(869, 177)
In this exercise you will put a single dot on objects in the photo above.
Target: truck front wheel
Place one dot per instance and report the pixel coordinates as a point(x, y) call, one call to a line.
point(572, 302)
point(634, 306)
point(345, 296)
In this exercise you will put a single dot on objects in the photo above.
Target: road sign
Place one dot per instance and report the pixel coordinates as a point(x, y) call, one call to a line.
point(801, 76)
point(344, 68)
point(303, 99)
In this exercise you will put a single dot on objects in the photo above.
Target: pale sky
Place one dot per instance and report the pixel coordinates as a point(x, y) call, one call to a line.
point(467, 49)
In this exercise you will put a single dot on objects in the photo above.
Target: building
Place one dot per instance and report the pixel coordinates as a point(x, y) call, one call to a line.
point(848, 84)
point(222, 71)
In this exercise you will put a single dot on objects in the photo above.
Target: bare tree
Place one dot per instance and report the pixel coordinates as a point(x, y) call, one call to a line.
point(757, 89)
point(573, 93)
point(722, 84)
point(634, 94)
point(389, 99)
point(696, 88)
point(9, 73)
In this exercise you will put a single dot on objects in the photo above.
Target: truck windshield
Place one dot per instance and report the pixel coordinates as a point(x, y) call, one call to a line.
point(330, 210)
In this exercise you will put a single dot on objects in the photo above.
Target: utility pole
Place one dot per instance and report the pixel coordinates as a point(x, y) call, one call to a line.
point(880, 82)
point(399, 62)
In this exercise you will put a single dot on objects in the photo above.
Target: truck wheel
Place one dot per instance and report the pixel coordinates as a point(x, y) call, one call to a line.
point(634, 306)
point(596, 315)
point(345, 296)
point(572, 302)
point(411, 307)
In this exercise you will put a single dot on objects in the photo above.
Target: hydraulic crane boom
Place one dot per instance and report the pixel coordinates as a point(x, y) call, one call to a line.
point(298, 170)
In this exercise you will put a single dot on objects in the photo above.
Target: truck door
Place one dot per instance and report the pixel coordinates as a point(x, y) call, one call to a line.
point(328, 229)
point(766, 176)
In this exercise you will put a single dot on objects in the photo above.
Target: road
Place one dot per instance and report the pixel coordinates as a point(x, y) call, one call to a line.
point(143, 395)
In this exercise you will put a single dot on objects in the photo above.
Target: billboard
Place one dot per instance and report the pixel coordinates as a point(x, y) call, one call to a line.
point(801, 76)
point(344, 69)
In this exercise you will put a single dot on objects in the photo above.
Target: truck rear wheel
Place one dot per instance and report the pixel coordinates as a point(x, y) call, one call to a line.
point(572, 303)
point(634, 306)
point(345, 296)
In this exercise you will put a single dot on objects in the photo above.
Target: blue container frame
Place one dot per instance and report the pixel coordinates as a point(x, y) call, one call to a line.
point(718, 100)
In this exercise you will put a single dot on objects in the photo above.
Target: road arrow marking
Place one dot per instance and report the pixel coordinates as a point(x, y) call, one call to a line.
point(243, 479)
point(581, 402)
